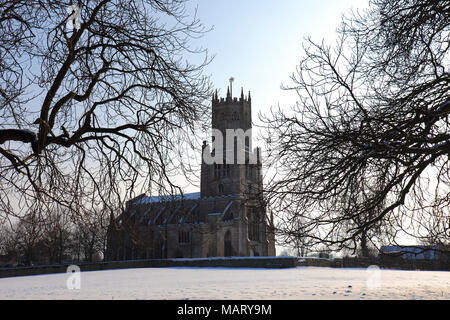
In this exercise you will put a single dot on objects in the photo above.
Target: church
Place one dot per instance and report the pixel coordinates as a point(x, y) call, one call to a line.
point(226, 218)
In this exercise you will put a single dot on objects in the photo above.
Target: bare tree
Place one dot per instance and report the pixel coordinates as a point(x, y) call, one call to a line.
point(9, 247)
point(29, 235)
point(93, 96)
point(89, 235)
point(56, 235)
point(373, 107)
point(371, 236)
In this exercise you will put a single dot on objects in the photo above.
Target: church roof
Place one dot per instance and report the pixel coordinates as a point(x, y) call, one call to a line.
point(162, 210)
point(146, 199)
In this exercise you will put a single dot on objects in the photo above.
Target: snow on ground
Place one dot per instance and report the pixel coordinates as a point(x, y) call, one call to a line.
point(234, 283)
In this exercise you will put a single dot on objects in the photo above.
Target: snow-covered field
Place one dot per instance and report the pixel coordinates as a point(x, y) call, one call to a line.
point(230, 283)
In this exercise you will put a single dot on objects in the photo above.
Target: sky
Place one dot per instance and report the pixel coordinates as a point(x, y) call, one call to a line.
point(259, 43)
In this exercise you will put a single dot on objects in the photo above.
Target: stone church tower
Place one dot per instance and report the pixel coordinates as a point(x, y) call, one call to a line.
point(237, 179)
point(231, 177)
point(226, 218)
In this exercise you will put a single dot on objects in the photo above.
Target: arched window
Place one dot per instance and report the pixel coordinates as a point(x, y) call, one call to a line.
point(253, 224)
point(184, 237)
point(228, 250)
point(228, 216)
point(158, 251)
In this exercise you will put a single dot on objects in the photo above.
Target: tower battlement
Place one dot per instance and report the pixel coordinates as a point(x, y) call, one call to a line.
point(220, 101)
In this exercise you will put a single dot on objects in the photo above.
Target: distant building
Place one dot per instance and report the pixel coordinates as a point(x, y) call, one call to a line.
point(226, 218)
point(413, 252)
